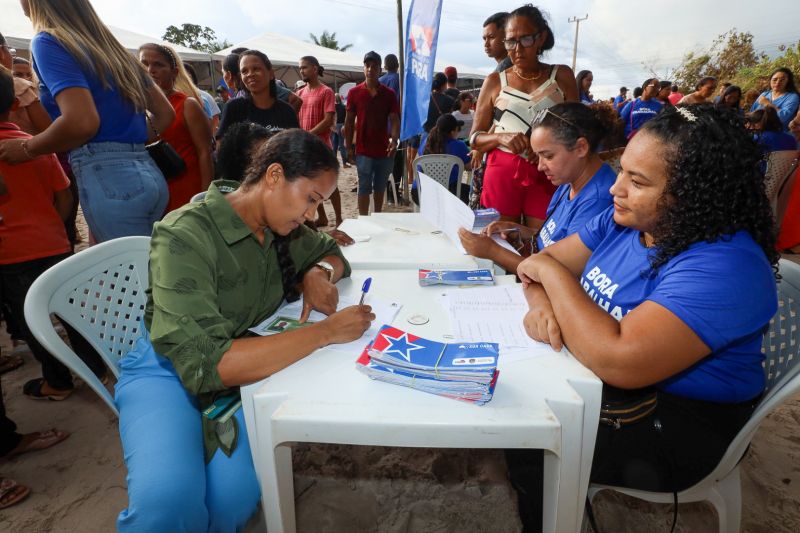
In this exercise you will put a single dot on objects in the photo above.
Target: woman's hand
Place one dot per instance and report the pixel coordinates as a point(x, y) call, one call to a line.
point(341, 238)
point(477, 244)
point(505, 228)
point(541, 325)
point(763, 101)
point(318, 293)
point(515, 142)
point(530, 270)
point(348, 324)
point(13, 151)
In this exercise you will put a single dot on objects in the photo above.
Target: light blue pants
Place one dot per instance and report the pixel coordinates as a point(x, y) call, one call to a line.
point(170, 487)
point(373, 173)
point(122, 191)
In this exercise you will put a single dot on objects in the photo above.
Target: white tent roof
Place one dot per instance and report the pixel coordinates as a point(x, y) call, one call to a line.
point(18, 31)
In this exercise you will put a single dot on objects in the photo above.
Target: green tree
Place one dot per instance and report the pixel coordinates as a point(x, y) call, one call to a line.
point(194, 36)
point(328, 40)
point(757, 76)
point(728, 54)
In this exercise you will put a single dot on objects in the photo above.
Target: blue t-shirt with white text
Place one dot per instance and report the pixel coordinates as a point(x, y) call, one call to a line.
point(566, 216)
point(724, 291)
point(58, 70)
point(634, 114)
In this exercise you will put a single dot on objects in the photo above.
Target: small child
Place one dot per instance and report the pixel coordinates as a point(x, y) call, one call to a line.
point(32, 239)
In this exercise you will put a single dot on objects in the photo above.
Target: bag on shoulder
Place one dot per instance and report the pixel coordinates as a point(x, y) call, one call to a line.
point(167, 159)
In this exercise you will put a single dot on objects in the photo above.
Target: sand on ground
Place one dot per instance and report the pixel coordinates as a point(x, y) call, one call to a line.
point(79, 485)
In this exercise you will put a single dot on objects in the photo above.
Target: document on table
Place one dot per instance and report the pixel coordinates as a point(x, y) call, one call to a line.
point(444, 210)
point(287, 316)
point(491, 314)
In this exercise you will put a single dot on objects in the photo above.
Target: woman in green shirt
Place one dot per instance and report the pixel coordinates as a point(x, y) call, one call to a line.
point(217, 268)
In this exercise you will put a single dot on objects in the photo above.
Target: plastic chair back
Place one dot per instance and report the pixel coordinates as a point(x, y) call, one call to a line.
point(101, 293)
point(438, 167)
point(780, 167)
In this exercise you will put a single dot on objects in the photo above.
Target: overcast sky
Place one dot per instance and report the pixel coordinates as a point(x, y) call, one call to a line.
point(618, 36)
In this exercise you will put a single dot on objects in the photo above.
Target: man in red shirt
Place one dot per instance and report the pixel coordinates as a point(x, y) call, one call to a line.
point(371, 106)
point(318, 116)
point(674, 96)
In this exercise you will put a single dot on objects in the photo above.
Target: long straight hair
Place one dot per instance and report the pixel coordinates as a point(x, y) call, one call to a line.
point(75, 24)
point(183, 82)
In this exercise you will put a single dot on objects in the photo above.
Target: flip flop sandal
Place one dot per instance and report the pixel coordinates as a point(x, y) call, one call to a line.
point(10, 362)
point(33, 389)
point(37, 441)
point(11, 492)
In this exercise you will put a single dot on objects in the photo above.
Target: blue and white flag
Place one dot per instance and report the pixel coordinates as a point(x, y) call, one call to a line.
point(422, 34)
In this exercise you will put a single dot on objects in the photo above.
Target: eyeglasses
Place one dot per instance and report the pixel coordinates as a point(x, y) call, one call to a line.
point(538, 118)
point(526, 41)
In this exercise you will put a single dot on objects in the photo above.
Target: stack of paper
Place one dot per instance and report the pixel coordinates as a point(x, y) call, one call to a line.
point(455, 277)
point(462, 371)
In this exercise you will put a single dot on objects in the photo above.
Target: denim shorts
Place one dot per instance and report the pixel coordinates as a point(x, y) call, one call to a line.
point(122, 192)
point(373, 173)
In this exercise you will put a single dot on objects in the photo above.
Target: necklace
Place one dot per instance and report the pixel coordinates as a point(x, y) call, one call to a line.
point(532, 78)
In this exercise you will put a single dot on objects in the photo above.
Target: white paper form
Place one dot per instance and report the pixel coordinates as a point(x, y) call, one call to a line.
point(385, 313)
point(444, 210)
point(491, 314)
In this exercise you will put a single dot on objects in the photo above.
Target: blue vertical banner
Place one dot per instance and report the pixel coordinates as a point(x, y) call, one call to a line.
point(422, 34)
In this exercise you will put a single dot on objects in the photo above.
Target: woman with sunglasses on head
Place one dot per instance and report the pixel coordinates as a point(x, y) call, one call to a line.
point(190, 132)
point(506, 106)
point(260, 104)
point(781, 96)
point(565, 138)
point(666, 298)
point(638, 111)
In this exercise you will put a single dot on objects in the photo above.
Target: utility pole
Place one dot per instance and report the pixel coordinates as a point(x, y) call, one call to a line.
point(577, 22)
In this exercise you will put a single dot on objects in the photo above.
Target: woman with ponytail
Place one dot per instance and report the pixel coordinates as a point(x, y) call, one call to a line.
point(101, 100)
point(443, 139)
point(217, 268)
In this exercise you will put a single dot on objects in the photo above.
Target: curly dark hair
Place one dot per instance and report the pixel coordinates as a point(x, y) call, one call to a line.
point(715, 186)
point(538, 18)
point(237, 147)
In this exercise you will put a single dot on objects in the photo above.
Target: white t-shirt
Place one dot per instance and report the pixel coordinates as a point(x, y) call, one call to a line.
point(467, 118)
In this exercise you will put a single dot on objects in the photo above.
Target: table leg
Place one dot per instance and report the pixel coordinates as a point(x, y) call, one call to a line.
point(277, 490)
point(562, 472)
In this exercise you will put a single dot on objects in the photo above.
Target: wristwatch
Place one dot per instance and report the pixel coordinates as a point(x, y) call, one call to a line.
point(328, 268)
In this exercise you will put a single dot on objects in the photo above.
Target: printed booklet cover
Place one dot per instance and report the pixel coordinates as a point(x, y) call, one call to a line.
point(455, 277)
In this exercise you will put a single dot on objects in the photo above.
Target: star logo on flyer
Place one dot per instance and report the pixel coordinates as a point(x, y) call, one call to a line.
point(421, 40)
point(401, 346)
point(432, 274)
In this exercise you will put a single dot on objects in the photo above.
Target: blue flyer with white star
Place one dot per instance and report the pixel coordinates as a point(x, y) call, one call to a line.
point(455, 277)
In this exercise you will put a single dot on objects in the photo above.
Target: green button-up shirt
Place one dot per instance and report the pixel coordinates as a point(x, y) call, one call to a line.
point(211, 280)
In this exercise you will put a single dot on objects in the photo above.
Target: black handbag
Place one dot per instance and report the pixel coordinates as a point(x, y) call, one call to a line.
point(167, 159)
point(619, 408)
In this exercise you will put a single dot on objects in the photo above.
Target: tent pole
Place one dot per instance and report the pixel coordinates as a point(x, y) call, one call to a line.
point(401, 56)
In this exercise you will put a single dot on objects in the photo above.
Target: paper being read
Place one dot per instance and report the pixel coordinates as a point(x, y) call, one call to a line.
point(444, 210)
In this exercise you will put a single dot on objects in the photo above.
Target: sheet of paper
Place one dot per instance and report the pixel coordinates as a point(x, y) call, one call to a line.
point(444, 210)
point(491, 314)
point(283, 320)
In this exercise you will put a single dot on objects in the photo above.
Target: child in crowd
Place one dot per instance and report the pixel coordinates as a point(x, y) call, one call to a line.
point(32, 239)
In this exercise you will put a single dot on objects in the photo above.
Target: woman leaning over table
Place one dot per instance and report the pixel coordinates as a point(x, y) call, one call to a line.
point(565, 139)
point(669, 291)
point(217, 268)
point(506, 105)
point(190, 132)
point(98, 95)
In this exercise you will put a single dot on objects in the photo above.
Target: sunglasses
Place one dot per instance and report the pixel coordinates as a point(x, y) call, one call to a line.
point(538, 118)
point(526, 41)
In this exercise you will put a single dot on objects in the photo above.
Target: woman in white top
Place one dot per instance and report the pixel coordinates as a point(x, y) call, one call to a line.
point(464, 113)
point(506, 106)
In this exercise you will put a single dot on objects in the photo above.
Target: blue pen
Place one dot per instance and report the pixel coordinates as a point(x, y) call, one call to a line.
point(364, 290)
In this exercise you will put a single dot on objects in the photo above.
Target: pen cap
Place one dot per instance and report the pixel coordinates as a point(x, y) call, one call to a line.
point(367, 283)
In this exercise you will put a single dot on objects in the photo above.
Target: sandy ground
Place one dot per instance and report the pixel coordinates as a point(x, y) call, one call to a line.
point(79, 486)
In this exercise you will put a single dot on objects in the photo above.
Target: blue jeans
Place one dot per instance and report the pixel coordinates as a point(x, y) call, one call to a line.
point(170, 487)
point(338, 142)
point(121, 189)
point(373, 173)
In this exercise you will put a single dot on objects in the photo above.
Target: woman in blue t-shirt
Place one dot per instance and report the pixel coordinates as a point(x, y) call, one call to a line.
point(782, 96)
point(565, 138)
point(637, 112)
point(98, 96)
point(668, 295)
point(443, 139)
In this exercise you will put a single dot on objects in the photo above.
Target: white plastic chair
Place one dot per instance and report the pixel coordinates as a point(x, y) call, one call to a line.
point(101, 293)
point(781, 347)
point(438, 167)
point(780, 167)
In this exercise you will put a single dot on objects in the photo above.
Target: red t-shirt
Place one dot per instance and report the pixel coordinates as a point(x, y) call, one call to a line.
point(316, 103)
point(674, 98)
point(372, 118)
point(31, 228)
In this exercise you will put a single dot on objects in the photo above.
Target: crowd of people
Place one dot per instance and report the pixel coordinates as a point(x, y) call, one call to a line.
point(628, 217)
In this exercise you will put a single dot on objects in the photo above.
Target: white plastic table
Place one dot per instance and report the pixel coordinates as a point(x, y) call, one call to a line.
point(402, 240)
point(547, 401)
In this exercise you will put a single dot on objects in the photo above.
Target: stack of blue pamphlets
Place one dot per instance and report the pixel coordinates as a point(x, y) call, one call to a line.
point(463, 371)
point(484, 217)
point(455, 277)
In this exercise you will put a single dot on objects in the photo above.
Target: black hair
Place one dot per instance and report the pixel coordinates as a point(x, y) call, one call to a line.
point(579, 79)
point(231, 64)
point(715, 186)
point(790, 87)
point(3, 40)
point(7, 95)
point(239, 50)
point(705, 80)
point(463, 95)
point(674, 88)
point(570, 121)
point(766, 119)
point(273, 89)
point(535, 15)
point(439, 81)
point(637, 92)
point(191, 71)
point(730, 89)
point(664, 85)
point(437, 137)
point(391, 62)
point(313, 60)
point(499, 19)
point(236, 149)
point(302, 155)
point(21, 61)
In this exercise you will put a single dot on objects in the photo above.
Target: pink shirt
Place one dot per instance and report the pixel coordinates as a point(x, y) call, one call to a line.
point(674, 98)
point(316, 103)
